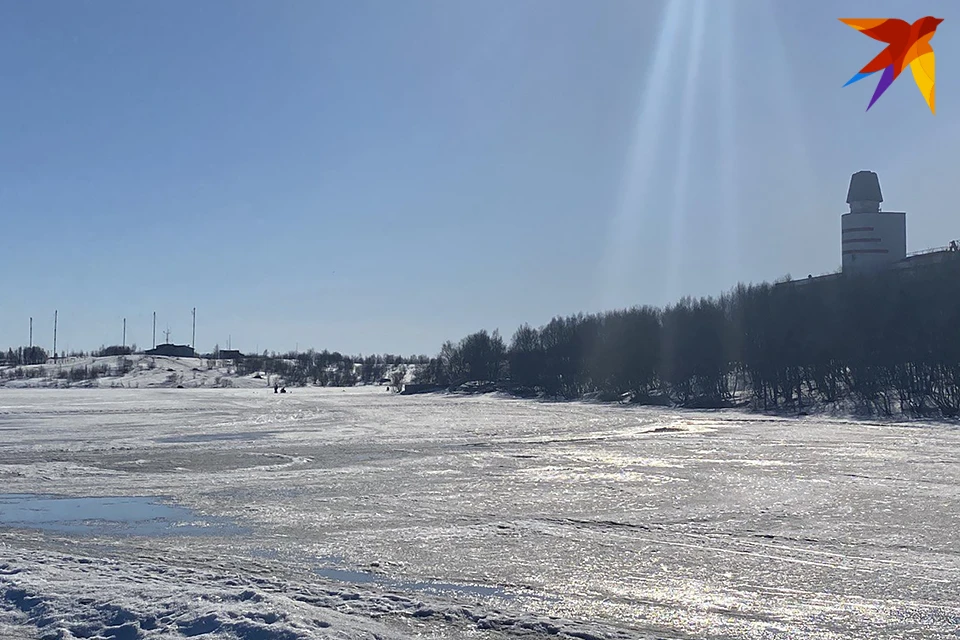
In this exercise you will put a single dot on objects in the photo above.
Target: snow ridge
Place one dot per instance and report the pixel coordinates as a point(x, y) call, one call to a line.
point(67, 596)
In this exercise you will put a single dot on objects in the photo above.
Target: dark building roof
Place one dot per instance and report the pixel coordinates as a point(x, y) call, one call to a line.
point(911, 263)
point(811, 279)
point(229, 354)
point(172, 350)
point(928, 257)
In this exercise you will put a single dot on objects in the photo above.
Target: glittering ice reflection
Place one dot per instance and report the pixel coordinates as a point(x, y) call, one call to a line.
point(656, 522)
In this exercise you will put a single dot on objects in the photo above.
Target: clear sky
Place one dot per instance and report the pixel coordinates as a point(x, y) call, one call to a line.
point(380, 176)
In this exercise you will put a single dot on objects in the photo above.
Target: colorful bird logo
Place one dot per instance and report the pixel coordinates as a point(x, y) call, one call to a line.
point(907, 44)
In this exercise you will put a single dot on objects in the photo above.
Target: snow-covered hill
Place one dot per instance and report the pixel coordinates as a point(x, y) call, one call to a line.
point(141, 372)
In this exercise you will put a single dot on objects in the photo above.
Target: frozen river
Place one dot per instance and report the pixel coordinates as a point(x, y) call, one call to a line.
point(362, 514)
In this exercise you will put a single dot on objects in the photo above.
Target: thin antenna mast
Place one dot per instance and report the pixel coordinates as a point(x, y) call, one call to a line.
point(55, 335)
point(193, 339)
point(154, 329)
point(31, 332)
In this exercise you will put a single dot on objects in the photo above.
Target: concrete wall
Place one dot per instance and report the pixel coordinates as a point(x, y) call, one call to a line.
point(871, 240)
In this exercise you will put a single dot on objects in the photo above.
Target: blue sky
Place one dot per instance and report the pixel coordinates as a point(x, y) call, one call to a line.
point(378, 176)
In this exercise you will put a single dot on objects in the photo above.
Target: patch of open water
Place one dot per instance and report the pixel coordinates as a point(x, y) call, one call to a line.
point(107, 515)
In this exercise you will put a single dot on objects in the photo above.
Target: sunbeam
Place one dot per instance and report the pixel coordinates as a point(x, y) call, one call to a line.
point(728, 152)
point(641, 159)
point(782, 78)
point(794, 170)
point(681, 183)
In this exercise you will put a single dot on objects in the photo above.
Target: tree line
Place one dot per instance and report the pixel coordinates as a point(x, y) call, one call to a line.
point(71, 374)
point(883, 343)
point(325, 368)
point(24, 356)
point(37, 355)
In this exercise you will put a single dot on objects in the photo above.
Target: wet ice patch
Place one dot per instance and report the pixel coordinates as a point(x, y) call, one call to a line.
point(194, 438)
point(335, 569)
point(749, 462)
point(106, 515)
point(49, 471)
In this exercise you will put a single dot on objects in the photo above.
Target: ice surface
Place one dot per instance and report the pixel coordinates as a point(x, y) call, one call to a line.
point(370, 515)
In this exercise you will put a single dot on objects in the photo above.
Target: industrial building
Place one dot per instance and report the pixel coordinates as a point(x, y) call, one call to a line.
point(872, 239)
point(172, 350)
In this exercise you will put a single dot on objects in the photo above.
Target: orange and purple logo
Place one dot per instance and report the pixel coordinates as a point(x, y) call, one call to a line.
point(907, 44)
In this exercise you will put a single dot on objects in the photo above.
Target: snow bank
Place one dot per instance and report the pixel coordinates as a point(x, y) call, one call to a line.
point(67, 596)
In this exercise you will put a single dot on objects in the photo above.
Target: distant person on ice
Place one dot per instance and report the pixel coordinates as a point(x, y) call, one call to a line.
point(276, 387)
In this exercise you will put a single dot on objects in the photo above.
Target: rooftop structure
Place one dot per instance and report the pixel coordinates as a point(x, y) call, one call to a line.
point(172, 350)
point(872, 239)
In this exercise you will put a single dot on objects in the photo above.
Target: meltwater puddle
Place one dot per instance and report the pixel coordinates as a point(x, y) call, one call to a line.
point(107, 515)
point(337, 569)
point(334, 569)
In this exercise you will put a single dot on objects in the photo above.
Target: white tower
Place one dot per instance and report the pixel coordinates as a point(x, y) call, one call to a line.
point(870, 238)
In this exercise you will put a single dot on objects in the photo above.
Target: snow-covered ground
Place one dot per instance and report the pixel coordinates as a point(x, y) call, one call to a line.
point(145, 372)
point(357, 513)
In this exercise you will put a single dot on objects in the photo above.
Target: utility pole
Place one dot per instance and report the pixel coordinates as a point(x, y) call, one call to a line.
point(124, 343)
point(193, 340)
point(154, 329)
point(55, 335)
point(31, 332)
